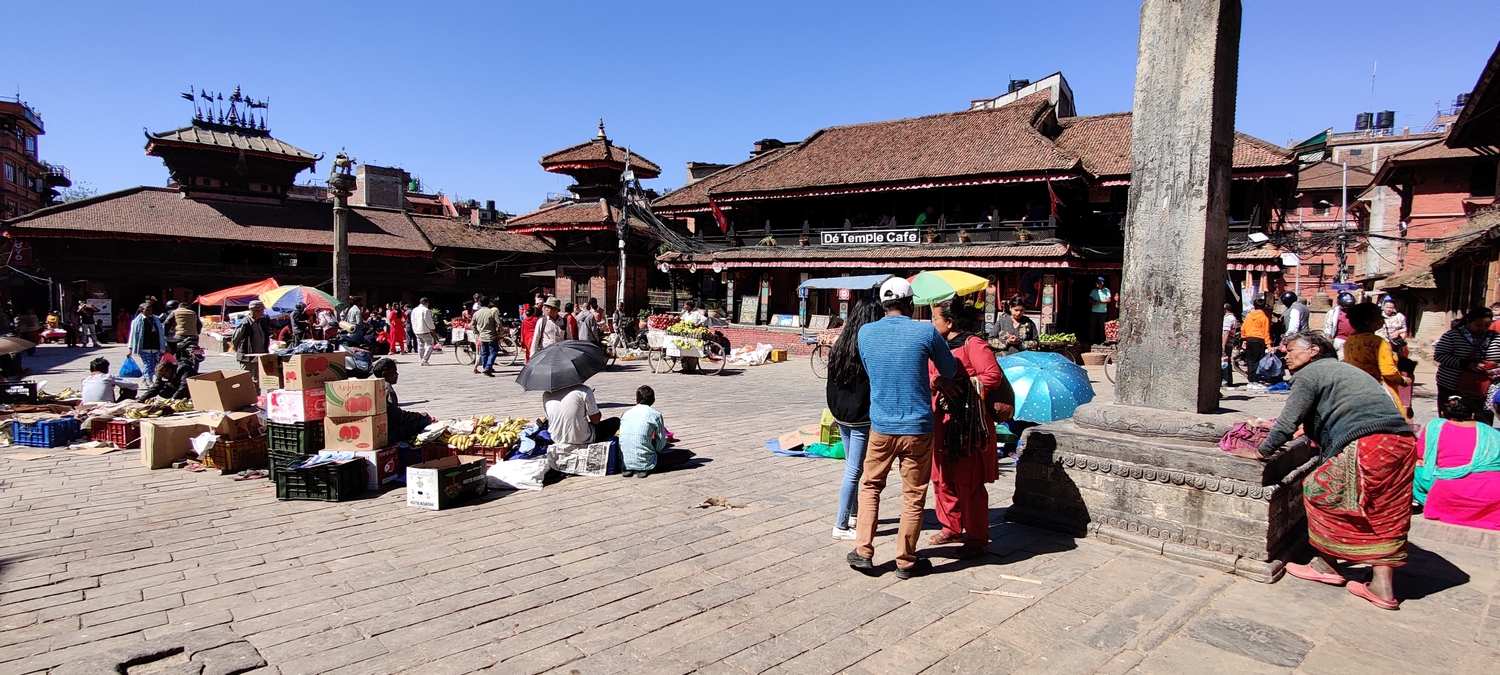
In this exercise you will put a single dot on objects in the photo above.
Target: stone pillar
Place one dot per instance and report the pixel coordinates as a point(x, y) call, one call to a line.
point(1182, 141)
point(340, 186)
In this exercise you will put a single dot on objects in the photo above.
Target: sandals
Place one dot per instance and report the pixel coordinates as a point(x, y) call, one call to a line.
point(943, 537)
point(1307, 572)
point(251, 474)
point(1361, 589)
point(194, 467)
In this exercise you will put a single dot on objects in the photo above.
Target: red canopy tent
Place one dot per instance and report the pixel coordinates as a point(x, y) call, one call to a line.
point(238, 296)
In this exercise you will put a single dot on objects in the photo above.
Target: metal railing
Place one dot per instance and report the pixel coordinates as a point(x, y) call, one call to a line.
point(26, 111)
point(58, 170)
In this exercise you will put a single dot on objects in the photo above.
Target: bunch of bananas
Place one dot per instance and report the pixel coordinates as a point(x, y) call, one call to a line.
point(489, 433)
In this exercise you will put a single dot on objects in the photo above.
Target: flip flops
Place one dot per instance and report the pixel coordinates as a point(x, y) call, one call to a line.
point(194, 467)
point(1307, 572)
point(251, 474)
point(1361, 589)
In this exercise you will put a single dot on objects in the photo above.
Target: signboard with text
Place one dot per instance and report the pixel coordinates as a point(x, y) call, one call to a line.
point(855, 238)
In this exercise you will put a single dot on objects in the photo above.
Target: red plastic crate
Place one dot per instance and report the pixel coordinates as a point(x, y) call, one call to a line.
point(124, 434)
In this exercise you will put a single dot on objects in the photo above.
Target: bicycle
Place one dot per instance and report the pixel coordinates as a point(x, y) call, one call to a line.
point(464, 350)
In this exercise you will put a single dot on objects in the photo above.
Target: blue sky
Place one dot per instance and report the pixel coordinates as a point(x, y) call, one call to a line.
point(468, 95)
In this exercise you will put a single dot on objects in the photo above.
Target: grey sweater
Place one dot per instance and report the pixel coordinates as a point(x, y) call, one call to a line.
point(1337, 404)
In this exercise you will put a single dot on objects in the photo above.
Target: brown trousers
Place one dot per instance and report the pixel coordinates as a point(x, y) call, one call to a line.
point(915, 454)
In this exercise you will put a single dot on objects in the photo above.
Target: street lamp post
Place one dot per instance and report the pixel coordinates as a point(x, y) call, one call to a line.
point(340, 186)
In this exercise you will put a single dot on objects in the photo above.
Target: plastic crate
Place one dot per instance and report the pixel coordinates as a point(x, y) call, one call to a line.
point(18, 392)
point(322, 483)
point(303, 438)
point(48, 433)
point(122, 433)
point(425, 453)
point(279, 460)
point(232, 456)
point(490, 455)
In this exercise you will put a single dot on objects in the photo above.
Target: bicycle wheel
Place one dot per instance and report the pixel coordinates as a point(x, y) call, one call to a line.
point(820, 361)
point(658, 361)
point(465, 354)
point(714, 359)
point(1238, 359)
point(509, 352)
point(1109, 367)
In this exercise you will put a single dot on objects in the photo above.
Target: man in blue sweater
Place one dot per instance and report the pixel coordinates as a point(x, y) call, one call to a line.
point(896, 351)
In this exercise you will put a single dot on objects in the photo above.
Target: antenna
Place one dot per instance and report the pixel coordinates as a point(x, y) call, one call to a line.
point(1373, 70)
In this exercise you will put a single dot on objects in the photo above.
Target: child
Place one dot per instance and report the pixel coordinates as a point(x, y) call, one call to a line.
point(643, 436)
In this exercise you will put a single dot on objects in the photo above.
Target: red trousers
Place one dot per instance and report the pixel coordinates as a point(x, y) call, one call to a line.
point(963, 503)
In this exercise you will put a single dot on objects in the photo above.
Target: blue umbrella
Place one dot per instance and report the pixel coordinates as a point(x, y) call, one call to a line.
point(1048, 385)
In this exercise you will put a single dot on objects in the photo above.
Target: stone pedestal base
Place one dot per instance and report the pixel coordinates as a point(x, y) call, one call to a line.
point(1158, 481)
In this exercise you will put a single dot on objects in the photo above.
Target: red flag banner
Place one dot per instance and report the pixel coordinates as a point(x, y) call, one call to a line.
point(719, 217)
point(1052, 196)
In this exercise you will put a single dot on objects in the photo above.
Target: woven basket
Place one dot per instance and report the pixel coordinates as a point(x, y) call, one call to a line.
point(235, 456)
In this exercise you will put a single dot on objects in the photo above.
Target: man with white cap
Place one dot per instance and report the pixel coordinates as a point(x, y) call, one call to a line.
point(895, 352)
point(252, 337)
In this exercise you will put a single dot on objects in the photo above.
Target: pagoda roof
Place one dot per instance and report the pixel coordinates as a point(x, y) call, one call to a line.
point(571, 216)
point(225, 137)
point(599, 153)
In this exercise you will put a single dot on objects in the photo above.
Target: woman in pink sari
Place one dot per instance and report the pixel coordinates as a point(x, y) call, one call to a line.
point(1458, 477)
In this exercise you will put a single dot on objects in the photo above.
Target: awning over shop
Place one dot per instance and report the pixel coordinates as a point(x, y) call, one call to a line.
point(860, 283)
point(238, 296)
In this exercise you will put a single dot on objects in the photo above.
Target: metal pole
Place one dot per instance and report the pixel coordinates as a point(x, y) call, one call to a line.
point(1343, 220)
point(622, 226)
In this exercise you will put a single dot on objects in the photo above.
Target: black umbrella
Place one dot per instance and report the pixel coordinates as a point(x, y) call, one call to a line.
point(563, 365)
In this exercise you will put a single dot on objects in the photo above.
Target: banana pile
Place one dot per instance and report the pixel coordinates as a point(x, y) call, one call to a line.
point(158, 407)
point(490, 433)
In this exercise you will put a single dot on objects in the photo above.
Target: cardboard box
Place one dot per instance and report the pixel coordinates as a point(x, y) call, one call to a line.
point(236, 425)
point(169, 439)
point(311, 371)
point(795, 440)
point(441, 483)
point(267, 370)
point(382, 466)
point(355, 398)
point(355, 433)
point(289, 406)
point(223, 390)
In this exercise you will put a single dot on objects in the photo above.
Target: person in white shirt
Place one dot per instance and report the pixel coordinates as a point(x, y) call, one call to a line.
point(573, 417)
point(691, 314)
point(1395, 322)
point(99, 386)
point(424, 328)
point(1295, 318)
point(551, 327)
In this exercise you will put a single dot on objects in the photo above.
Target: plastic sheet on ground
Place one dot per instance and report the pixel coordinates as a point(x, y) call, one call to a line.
point(517, 474)
point(750, 356)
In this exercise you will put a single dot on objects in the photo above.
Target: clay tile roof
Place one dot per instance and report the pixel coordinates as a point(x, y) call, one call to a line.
point(695, 196)
point(230, 138)
point(1326, 175)
point(994, 141)
point(162, 213)
point(1102, 142)
point(446, 232)
point(599, 153)
point(566, 215)
point(1431, 150)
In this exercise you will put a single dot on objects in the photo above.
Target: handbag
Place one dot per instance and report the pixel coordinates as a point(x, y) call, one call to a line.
point(1472, 384)
point(1000, 402)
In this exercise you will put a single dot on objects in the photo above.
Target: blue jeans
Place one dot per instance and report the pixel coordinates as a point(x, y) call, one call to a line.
point(487, 353)
point(854, 464)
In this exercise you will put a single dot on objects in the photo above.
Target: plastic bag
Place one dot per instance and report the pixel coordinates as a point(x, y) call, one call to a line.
point(130, 368)
point(517, 474)
point(204, 442)
point(833, 451)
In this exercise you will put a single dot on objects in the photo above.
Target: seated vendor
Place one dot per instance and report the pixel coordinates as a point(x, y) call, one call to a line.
point(99, 386)
point(170, 383)
point(643, 436)
point(403, 424)
point(573, 416)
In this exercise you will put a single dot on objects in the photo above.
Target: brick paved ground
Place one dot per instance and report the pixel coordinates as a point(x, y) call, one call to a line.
point(612, 574)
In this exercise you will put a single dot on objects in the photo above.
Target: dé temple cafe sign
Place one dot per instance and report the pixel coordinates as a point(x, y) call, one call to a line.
point(860, 237)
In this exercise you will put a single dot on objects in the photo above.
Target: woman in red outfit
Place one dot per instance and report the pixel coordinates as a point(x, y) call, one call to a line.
point(396, 320)
point(964, 455)
point(528, 328)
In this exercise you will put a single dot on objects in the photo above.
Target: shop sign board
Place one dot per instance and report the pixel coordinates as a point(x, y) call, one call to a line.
point(749, 308)
point(856, 237)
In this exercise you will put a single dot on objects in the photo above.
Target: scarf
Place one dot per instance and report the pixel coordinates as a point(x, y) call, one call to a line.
point(1486, 457)
point(965, 426)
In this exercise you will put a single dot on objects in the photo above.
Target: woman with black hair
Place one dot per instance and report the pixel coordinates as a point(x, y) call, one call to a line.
point(964, 454)
point(848, 392)
point(1458, 478)
point(1463, 355)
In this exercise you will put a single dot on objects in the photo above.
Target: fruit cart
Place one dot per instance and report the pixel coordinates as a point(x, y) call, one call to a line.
point(682, 342)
